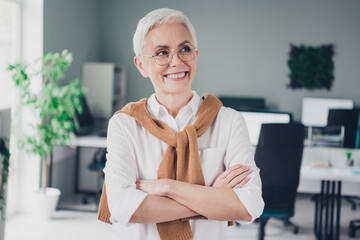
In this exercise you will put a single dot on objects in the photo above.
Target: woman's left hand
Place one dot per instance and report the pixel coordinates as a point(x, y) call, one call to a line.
point(235, 177)
point(159, 187)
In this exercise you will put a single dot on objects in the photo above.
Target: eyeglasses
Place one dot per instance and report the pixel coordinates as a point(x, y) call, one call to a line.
point(163, 57)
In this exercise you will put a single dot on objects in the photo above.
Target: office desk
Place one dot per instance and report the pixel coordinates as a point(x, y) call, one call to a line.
point(330, 182)
point(309, 183)
point(88, 141)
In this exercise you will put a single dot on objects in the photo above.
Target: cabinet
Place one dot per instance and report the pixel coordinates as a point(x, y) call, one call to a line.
point(106, 87)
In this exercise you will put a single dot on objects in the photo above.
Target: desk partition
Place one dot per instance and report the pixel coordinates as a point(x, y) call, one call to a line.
point(254, 120)
point(315, 111)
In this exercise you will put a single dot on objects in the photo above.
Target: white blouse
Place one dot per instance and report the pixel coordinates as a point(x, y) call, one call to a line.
point(133, 154)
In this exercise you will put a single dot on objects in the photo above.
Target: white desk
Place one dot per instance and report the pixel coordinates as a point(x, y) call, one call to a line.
point(88, 141)
point(310, 177)
point(346, 175)
point(329, 184)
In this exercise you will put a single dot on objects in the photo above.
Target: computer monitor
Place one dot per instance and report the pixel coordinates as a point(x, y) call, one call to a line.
point(85, 118)
point(254, 120)
point(315, 110)
point(243, 103)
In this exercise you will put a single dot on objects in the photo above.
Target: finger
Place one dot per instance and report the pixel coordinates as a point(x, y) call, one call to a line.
point(235, 173)
point(231, 169)
point(238, 179)
point(246, 180)
point(140, 183)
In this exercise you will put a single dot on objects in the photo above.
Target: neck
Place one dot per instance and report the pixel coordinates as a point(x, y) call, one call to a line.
point(174, 102)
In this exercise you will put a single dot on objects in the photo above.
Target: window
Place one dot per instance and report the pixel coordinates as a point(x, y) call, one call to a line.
point(9, 46)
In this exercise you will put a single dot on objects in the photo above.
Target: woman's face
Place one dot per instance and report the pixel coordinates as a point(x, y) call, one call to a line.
point(176, 76)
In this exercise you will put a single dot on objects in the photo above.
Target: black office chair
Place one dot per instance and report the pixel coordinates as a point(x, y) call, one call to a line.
point(278, 155)
point(354, 225)
point(349, 118)
point(96, 165)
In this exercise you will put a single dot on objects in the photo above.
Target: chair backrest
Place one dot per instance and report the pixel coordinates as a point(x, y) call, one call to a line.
point(278, 155)
point(349, 118)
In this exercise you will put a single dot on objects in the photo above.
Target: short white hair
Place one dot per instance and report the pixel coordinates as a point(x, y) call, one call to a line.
point(159, 17)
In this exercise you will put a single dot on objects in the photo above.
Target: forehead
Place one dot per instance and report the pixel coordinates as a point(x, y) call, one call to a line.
point(171, 35)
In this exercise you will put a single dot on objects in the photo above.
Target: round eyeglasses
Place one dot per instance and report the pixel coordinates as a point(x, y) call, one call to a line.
point(163, 57)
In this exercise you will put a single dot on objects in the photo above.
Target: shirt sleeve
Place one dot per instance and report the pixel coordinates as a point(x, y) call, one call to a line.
point(240, 151)
point(120, 175)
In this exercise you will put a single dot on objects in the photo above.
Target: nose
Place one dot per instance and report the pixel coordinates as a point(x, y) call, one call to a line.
point(174, 59)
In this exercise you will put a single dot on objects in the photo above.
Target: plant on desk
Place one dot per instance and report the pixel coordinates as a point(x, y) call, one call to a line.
point(349, 160)
point(54, 106)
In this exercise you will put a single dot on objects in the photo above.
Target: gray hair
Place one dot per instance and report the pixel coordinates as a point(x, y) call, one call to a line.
point(159, 17)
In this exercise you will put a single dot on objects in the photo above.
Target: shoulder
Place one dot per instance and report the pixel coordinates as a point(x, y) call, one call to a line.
point(229, 121)
point(229, 115)
point(122, 121)
point(120, 117)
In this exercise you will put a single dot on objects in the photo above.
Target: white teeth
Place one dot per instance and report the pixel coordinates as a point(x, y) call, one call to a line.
point(176, 75)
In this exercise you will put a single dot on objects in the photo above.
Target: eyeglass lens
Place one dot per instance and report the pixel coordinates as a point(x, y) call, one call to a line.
point(186, 54)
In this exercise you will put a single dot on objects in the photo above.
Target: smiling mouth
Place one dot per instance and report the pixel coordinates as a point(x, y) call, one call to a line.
point(176, 76)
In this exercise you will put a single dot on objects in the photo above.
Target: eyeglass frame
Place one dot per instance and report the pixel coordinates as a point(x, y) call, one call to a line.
point(170, 57)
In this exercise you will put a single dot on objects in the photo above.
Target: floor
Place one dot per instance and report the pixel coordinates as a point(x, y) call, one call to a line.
point(84, 225)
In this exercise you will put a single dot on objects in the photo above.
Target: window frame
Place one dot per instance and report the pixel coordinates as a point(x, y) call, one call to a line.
point(16, 47)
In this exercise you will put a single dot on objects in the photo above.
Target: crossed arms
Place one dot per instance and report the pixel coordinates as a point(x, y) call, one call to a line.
point(170, 199)
point(234, 195)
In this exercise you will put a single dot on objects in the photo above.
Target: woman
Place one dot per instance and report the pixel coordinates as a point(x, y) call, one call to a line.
point(179, 166)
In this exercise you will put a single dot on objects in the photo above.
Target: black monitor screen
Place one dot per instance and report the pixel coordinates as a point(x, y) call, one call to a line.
point(84, 119)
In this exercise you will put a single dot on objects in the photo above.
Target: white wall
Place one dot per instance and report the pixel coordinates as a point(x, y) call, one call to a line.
point(244, 45)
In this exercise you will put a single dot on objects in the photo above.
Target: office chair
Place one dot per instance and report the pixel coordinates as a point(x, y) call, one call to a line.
point(278, 155)
point(97, 164)
point(349, 118)
point(354, 225)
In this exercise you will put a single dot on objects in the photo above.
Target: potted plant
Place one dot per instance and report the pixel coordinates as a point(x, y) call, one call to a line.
point(4, 172)
point(54, 107)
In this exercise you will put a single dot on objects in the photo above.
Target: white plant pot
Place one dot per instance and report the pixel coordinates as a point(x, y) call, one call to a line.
point(45, 203)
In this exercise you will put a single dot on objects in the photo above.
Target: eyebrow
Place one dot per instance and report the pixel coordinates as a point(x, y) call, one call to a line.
point(184, 42)
point(167, 47)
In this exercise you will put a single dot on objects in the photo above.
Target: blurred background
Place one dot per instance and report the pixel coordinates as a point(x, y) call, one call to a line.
point(244, 48)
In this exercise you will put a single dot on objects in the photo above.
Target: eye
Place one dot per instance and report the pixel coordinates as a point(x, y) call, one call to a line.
point(161, 53)
point(185, 49)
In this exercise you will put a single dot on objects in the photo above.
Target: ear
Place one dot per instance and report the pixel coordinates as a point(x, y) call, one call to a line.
point(139, 65)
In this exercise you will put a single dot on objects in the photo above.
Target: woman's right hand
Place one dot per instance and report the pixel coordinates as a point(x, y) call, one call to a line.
point(233, 177)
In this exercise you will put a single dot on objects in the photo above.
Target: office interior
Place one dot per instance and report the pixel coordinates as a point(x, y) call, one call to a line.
point(243, 51)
